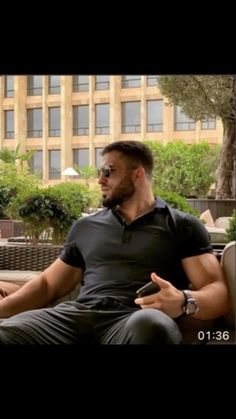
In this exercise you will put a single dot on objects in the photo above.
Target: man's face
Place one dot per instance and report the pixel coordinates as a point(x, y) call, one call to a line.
point(119, 186)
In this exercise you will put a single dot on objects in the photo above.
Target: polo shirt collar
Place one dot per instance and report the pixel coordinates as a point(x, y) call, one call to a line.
point(159, 206)
point(160, 203)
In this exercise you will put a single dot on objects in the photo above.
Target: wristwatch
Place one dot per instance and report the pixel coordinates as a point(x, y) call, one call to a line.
point(190, 306)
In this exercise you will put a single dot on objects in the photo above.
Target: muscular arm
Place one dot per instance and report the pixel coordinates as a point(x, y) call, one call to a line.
point(203, 271)
point(54, 282)
point(207, 279)
point(210, 290)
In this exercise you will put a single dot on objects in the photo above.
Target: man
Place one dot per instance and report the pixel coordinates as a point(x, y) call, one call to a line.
point(134, 239)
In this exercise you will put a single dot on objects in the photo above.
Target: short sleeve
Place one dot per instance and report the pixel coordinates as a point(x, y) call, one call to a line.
point(71, 253)
point(194, 237)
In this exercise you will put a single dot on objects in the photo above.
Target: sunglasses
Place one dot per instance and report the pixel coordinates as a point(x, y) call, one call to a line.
point(105, 171)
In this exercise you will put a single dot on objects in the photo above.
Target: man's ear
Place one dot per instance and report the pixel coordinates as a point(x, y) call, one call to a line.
point(139, 172)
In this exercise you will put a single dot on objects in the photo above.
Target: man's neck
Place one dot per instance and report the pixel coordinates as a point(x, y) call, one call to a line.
point(131, 211)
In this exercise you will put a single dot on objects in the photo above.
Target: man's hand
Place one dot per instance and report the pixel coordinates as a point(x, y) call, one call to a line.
point(3, 293)
point(7, 288)
point(169, 299)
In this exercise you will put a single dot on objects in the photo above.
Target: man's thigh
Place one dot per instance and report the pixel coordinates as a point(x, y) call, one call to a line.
point(144, 327)
point(63, 324)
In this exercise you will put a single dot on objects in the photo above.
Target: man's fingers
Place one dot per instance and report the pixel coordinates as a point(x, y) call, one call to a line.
point(160, 281)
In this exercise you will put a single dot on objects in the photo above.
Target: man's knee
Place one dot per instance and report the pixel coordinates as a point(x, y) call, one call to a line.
point(151, 326)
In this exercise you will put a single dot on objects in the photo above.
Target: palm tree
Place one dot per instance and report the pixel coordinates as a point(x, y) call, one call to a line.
point(11, 156)
point(86, 173)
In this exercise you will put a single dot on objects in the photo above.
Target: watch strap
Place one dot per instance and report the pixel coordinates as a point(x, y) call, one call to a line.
point(186, 296)
point(190, 301)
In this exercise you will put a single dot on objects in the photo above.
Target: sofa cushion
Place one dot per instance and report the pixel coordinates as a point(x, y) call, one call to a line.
point(207, 218)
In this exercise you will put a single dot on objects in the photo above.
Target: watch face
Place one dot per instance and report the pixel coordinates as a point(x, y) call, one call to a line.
point(191, 307)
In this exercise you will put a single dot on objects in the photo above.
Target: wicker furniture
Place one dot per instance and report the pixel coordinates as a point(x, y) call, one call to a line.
point(22, 262)
point(27, 257)
point(19, 264)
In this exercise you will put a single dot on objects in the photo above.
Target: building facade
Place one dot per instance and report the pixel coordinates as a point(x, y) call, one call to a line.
point(69, 119)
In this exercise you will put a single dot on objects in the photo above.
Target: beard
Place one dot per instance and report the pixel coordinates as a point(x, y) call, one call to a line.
point(121, 193)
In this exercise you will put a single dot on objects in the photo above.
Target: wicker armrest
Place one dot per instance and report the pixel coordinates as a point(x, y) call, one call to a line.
point(27, 257)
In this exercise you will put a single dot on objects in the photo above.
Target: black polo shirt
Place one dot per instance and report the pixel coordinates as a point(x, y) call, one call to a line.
point(118, 258)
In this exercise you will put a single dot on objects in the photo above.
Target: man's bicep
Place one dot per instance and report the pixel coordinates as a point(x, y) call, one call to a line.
point(202, 270)
point(62, 278)
point(193, 238)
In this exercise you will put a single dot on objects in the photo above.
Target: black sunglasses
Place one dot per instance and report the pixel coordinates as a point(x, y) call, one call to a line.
point(104, 171)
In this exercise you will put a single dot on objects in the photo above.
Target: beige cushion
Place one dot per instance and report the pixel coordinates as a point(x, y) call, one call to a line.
point(207, 218)
point(228, 265)
point(218, 235)
point(222, 222)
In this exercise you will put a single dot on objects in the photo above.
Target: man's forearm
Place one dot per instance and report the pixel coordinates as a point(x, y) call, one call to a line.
point(30, 296)
point(213, 301)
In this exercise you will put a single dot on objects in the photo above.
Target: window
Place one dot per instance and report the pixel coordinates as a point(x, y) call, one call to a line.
point(209, 123)
point(81, 120)
point(98, 157)
point(102, 112)
point(36, 163)
point(54, 164)
point(102, 83)
point(131, 112)
point(131, 81)
point(54, 122)
point(54, 85)
point(34, 123)
point(81, 157)
point(152, 80)
point(9, 124)
point(182, 121)
point(9, 86)
point(154, 115)
point(34, 85)
point(80, 83)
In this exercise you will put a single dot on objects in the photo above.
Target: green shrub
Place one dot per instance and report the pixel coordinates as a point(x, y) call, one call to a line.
point(55, 207)
point(87, 172)
point(231, 230)
point(43, 211)
point(183, 168)
point(95, 197)
point(6, 193)
point(13, 181)
point(40, 210)
point(75, 196)
point(176, 201)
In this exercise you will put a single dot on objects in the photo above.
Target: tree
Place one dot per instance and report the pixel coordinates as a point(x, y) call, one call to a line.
point(11, 156)
point(184, 169)
point(87, 173)
point(14, 178)
point(204, 97)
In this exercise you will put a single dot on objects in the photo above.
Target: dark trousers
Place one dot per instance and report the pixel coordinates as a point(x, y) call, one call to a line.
point(75, 323)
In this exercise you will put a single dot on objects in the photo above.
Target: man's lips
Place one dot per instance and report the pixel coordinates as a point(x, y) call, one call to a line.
point(105, 190)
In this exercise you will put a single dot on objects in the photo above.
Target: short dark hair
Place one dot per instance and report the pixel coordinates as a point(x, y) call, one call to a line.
point(135, 151)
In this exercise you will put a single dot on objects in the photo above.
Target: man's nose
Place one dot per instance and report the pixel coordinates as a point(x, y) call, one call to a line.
point(101, 178)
